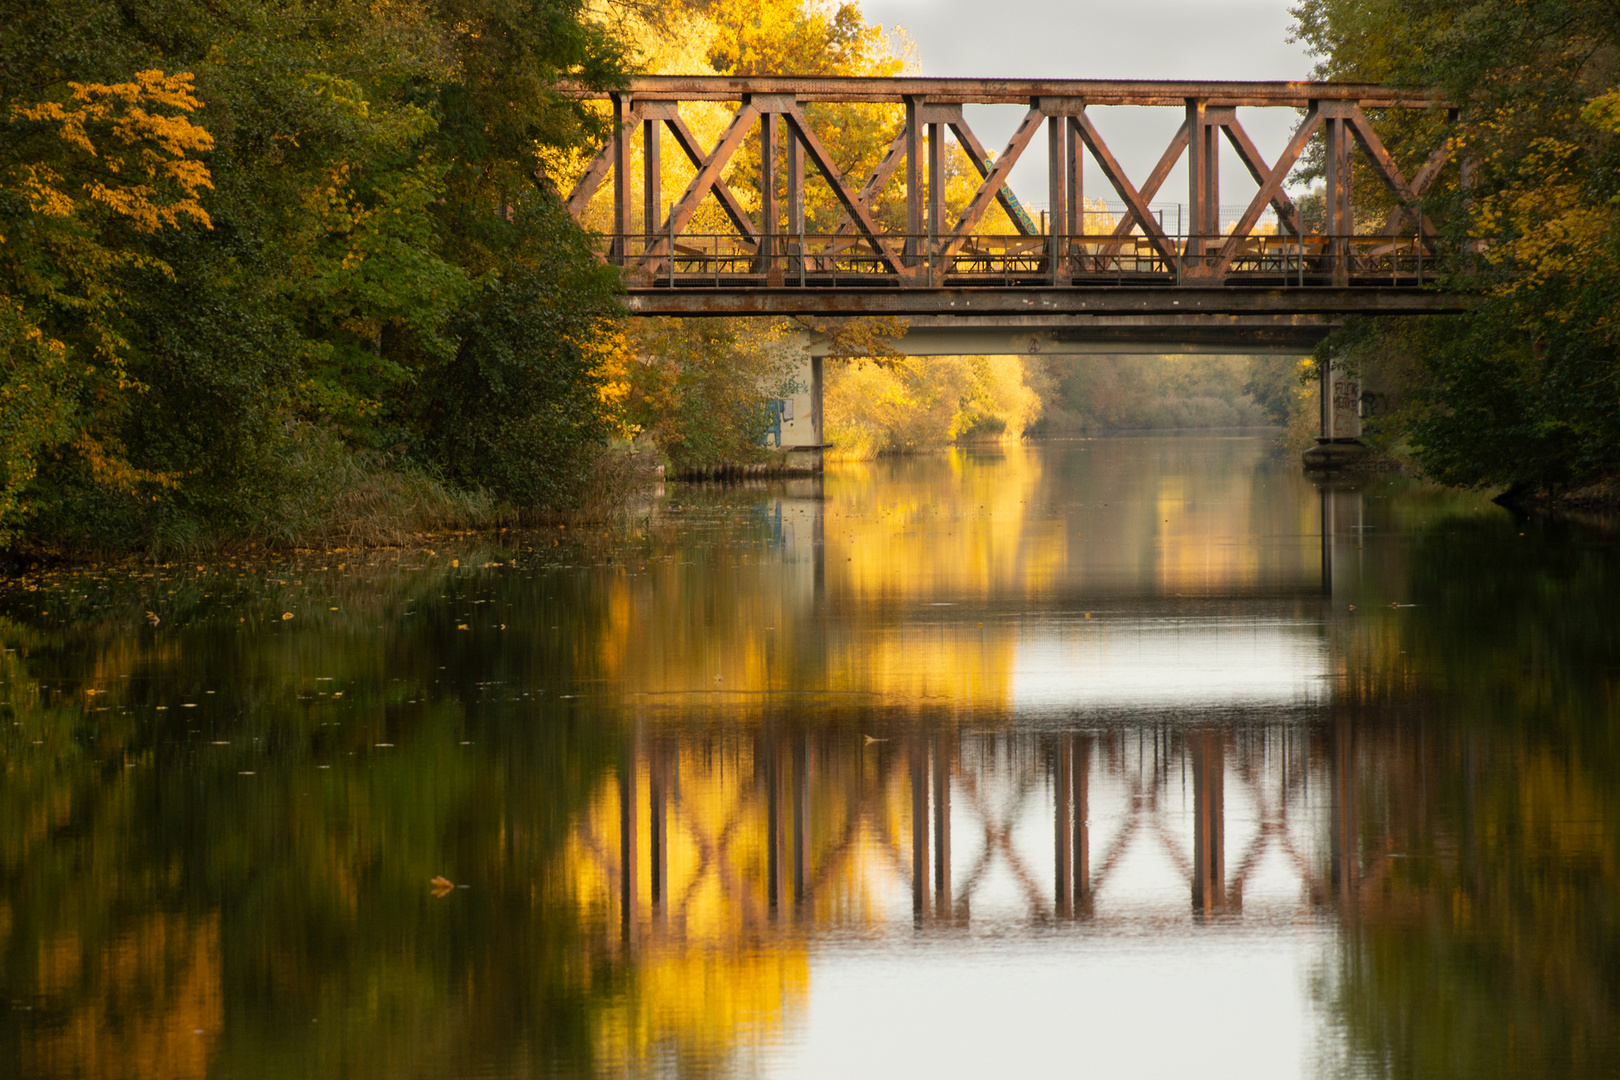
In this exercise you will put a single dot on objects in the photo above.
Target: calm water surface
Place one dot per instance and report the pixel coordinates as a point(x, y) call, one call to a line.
point(1135, 758)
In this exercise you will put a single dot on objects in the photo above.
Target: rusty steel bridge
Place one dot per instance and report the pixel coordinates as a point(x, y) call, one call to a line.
point(1189, 277)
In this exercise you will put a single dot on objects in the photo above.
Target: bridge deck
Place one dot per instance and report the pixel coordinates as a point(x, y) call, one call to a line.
point(1075, 301)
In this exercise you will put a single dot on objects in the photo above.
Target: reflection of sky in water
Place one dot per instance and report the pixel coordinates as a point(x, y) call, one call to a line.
point(1140, 987)
point(1075, 1003)
point(1130, 664)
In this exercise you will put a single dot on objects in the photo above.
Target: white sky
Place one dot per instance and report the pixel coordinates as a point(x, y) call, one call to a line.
point(1144, 39)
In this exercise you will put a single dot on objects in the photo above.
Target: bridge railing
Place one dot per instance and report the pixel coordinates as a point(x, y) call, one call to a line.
point(898, 260)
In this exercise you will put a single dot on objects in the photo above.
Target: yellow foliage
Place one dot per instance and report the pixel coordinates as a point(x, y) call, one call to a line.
point(925, 403)
point(610, 353)
point(133, 142)
point(118, 153)
point(1552, 228)
point(799, 37)
point(1603, 112)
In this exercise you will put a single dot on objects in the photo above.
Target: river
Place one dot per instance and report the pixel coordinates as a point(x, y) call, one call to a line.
point(1140, 757)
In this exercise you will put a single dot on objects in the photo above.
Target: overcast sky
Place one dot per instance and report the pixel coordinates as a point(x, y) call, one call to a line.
point(1091, 39)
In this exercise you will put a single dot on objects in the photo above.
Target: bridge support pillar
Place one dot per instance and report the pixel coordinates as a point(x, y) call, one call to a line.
point(659, 768)
point(1345, 844)
point(1340, 441)
point(794, 167)
point(1071, 836)
point(914, 179)
point(1203, 184)
point(770, 753)
point(944, 753)
point(1074, 159)
point(770, 125)
point(629, 862)
point(801, 820)
point(936, 198)
point(1057, 194)
point(652, 173)
point(621, 179)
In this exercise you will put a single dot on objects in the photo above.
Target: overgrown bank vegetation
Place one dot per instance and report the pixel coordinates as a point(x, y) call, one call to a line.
point(1522, 394)
point(268, 267)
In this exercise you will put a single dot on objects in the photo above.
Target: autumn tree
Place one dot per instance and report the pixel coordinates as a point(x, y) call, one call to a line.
point(256, 254)
point(1524, 392)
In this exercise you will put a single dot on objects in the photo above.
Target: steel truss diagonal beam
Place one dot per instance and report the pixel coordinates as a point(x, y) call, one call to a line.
point(977, 154)
point(1420, 187)
point(885, 169)
point(1150, 187)
point(694, 152)
point(1287, 212)
point(996, 179)
point(1269, 188)
point(1390, 173)
point(1133, 199)
point(708, 173)
point(829, 172)
point(597, 170)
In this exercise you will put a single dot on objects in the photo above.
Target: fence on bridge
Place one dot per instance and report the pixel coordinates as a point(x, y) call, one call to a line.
point(770, 247)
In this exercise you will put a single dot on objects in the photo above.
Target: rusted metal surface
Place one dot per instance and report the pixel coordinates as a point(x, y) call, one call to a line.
point(1169, 92)
point(905, 272)
point(1065, 300)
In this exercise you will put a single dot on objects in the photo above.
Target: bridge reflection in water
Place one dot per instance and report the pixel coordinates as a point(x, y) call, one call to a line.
point(952, 718)
point(800, 831)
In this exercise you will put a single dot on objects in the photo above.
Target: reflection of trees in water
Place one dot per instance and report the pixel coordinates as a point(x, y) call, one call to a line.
point(1485, 940)
point(189, 891)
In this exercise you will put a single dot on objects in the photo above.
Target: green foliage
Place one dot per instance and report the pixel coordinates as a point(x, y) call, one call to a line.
point(699, 388)
point(339, 224)
point(1488, 950)
point(1098, 394)
point(1524, 392)
point(517, 409)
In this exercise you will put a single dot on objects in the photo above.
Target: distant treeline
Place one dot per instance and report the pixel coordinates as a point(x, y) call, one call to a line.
point(1098, 394)
point(909, 404)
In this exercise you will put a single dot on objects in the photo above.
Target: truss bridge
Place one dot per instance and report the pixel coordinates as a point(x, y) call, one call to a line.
point(769, 221)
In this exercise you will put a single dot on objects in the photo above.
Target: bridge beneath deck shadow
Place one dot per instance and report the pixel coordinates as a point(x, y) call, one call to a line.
point(1261, 280)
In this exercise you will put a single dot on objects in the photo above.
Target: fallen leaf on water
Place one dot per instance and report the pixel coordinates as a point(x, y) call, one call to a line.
point(442, 886)
point(285, 615)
